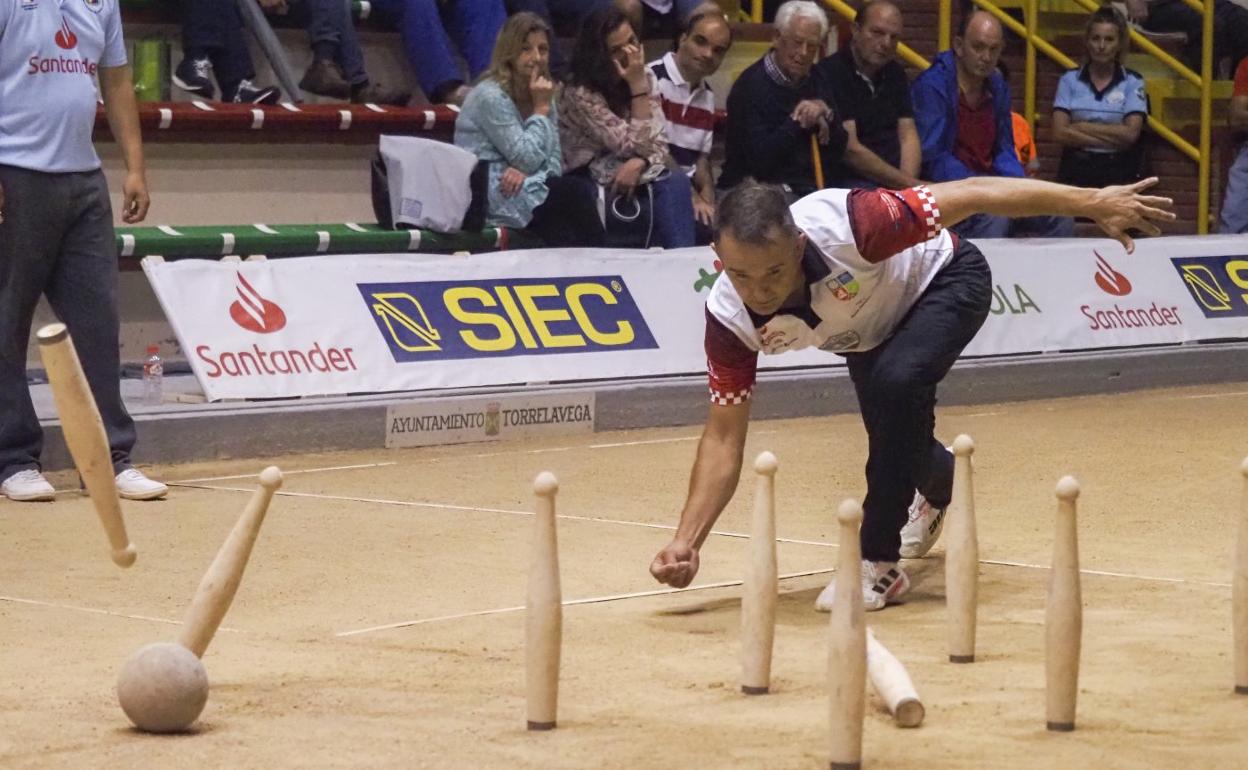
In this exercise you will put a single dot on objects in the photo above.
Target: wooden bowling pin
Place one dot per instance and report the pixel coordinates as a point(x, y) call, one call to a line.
point(847, 647)
point(1239, 592)
point(220, 583)
point(544, 612)
point(892, 683)
point(962, 556)
point(1063, 620)
point(84, 435)
point(758, 600)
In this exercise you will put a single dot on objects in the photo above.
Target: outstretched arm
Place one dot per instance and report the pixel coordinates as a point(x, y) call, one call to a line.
point(715, 475)
point(1116, 209)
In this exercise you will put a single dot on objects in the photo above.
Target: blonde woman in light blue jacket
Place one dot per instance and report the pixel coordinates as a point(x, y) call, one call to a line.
point(509, 120)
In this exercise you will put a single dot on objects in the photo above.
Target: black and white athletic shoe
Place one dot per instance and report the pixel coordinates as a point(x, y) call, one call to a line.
point(883, 583)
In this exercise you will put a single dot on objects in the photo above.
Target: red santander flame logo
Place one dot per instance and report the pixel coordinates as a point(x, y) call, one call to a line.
point(1110, 280)
point(65, 37)
point(255, 313)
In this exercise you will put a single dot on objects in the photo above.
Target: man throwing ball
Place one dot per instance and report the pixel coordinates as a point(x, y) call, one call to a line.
point(874, 276)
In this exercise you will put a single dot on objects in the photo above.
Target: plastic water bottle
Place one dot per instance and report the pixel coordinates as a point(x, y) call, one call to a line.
point(153, 374)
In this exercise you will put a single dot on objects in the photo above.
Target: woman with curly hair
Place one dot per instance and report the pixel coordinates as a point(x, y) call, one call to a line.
point(611, 125)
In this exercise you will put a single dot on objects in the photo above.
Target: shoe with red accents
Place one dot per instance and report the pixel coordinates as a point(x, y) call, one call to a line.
point(922, 528)
point(883, 583)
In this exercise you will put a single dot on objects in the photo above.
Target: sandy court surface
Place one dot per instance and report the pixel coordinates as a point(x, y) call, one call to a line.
point(305, 674)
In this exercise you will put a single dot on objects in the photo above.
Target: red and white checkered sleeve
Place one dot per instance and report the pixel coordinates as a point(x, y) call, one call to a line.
point(730, 365)
point(885, 222)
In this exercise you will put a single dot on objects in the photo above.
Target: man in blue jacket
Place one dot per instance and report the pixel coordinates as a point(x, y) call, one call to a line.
point(962, 110)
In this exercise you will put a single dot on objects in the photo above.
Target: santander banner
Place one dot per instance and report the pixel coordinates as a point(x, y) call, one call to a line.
point(376, 323)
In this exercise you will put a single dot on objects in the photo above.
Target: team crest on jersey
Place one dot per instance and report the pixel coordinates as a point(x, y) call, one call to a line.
point(94, 5)
point(844, 286)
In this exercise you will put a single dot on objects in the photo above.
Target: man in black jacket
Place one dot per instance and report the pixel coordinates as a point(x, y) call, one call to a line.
point(778, 103)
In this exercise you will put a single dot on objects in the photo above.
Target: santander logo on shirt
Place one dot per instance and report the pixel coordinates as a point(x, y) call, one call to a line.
point(65, 37)
point(66, 40)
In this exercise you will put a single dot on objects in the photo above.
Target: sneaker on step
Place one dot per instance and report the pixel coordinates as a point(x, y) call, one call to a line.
point(883, 582)
point(195, 76)
point(921, 529)
point(248, 93)
point(324, 78)
point(27, 486)
point(133, 485)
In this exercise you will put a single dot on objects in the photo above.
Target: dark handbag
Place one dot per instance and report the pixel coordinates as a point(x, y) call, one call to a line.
point(474, 218)
point(628, 220)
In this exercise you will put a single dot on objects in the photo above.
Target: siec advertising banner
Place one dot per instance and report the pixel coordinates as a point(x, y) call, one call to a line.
point(376, 323)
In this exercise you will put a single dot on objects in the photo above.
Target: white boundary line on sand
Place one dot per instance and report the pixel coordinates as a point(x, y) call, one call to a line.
point(573, 602)
point(669, 527)
point(480, 509)
point(476, 456)
point(94, 611)
point(1207, 395)
point(287, 473)
point(1106, 573)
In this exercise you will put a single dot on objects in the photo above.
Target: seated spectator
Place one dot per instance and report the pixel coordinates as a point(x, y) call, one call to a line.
point(612, 128)
point(962, 110)
point(689, 105)
point(873, 96)
point(510, 121)
point(1099, 110)
point(1230, 28)
point(213, 44)
point(778, 103)
point(474, 25)
point(337, 68)
point(567, 12)
point(1234, 219)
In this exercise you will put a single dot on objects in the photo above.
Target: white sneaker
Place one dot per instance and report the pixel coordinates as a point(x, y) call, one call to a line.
point(882, 582)
point(133, 485)
point(922, 529)
point(27, 486)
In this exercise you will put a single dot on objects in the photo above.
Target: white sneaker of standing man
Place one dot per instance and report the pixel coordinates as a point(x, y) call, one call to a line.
point(27, 486)
point(133, 485)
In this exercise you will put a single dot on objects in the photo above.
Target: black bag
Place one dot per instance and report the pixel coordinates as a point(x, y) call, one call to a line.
point(474, 218)
point(628, 221)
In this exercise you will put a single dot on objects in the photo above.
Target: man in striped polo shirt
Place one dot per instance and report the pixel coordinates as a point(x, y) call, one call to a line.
point(56, 221)
point(689, 105)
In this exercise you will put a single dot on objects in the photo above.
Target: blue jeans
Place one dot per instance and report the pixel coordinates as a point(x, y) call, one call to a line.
point(474, 25)
point(896, 387)
point(993, 226)
point(673, 212)
point(331, 21)
point(1234, 218)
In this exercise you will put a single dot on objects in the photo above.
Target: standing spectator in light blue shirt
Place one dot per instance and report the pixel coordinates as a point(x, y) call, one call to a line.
point(510, 121)
point(56, 221)
point(1099, 110)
